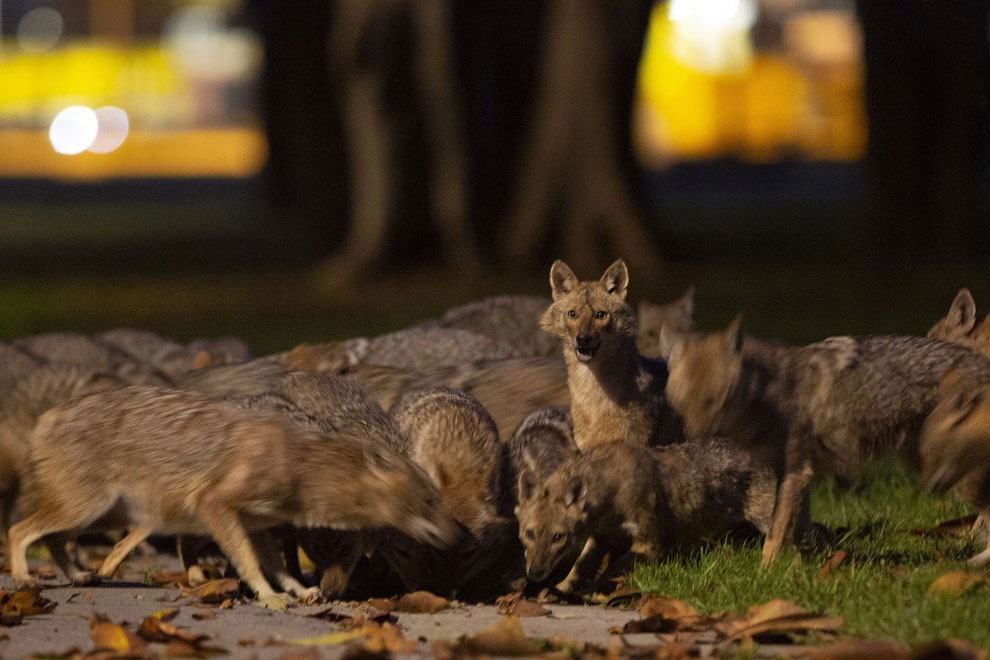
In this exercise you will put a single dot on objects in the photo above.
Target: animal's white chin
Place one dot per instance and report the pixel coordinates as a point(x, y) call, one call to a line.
point(584, 357)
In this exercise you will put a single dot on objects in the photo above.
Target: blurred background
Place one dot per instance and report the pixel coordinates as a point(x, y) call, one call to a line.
point(303, 171)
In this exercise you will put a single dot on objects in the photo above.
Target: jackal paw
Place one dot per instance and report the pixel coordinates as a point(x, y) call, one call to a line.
point(26, 583)
point(84, 579)
point(309, 596)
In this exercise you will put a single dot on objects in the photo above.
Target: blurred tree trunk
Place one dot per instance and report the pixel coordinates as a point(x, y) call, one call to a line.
point(576, 164)
point(927, 69)
point(365, 37)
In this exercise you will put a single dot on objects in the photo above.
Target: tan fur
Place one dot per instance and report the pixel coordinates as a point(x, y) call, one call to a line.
point(177, 462)
point(955, 449)
point(830, 406)
point(679, 495)
point(659, 324)
point(615, 393)
point(508, 389)
point(961, 326)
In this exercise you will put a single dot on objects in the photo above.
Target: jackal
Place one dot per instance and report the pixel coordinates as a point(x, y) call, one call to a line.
point(14, 365)
point(172, 358)
point(828, 406)
point(542, 443)
point(176, 462)
point(955, 449)
point(614, 392)
point(656, 500)
point(659, 325)
point(455, 440)
point(961, 326)
point(85, 351)
point(510, 320)
point(508, 389)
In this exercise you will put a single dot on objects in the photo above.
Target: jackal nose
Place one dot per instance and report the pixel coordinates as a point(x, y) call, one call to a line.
point(585, 341)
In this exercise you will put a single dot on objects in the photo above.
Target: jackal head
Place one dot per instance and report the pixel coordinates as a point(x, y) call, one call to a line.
point(704, 373)
point(552, 519)
point(955, 437)
point(587, 316)
point(961, 326)
point(661, 325)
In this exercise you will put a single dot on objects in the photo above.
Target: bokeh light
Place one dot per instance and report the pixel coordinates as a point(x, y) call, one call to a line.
point(112, 127)
point(73, 130)
point(39, 30)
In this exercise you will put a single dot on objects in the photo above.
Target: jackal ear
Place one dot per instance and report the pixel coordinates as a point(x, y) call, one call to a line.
point(671, 344)
point(962, 314)
point(685, 304)
point(616, 279)
point(733, 337)
point(574, 492)
point(562, 279)
point(527, 485)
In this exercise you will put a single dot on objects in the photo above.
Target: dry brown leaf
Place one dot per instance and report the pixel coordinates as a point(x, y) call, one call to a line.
point(620, 596)
point(505, 638)
point(157, 630)
point(516, 605)
point(215, 591)
point(417, 602)
point(178, 648)
point(851, 649)
point(204, 615)
point(652, 624)
point(834, 560)
point(669, 608)
point(112, 637)
point(170, 578)
point(776, 617)
point(441, 649)
point(14, 606)
point(386, 637)
point(955, 583)
point(956, 527)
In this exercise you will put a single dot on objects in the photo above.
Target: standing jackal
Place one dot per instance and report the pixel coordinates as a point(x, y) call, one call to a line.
point(615, 393)
point(828, 406)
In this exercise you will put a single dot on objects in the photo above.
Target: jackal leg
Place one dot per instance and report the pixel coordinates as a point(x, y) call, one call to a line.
point(135, 537)
point(50, 518)
point(981, 528)
point(793, 488)
point(274, 567)
point(585, 567)
point(227, 529)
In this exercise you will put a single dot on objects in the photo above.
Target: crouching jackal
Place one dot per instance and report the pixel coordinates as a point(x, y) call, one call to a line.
point(658, 500)
point(153, 459)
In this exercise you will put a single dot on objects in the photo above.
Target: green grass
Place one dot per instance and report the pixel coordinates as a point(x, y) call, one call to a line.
point(880, 589)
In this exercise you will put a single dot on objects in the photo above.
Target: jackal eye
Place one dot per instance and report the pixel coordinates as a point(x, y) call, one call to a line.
point(557, 538)
point(572, 314)
point(529, 534)
point(600, 315)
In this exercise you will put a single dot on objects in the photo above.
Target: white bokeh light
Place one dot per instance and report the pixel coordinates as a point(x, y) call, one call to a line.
point(73, 130)
point(39, 30)
point(112, 127)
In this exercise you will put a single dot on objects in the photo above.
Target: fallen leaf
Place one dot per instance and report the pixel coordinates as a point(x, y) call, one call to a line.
point(417, 602)
point(178, 648)
point(113, 637)
point(652, 624)
point(157, 630)
point(165, 615)
point(14, 606)
point(955, 583)
point(386, 637)
point(215, 591)
point(169, 578)
point(956, 527)
point(204, 615)
point(669, 608)
point(441, 649)
point(329, 639)
point(516, 605)
point(505, 638)
point(833, 562)
point(777, 617)
point(851, 649)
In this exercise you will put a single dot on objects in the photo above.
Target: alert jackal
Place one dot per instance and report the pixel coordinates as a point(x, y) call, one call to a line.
point(955, 449)
point(153, 459)
point(615, 393)
point(829, 406)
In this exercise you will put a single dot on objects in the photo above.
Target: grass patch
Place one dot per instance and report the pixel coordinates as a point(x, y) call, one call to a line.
point(880, 589)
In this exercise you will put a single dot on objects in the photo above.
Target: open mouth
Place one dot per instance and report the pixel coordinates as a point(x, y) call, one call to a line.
point(585, 353)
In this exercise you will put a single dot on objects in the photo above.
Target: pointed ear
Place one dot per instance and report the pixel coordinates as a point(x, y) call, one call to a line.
point(202, 359)
point(574, 492)
point(733, 337)
point(527, 485)
point(686, 304)
point(562, 279)
point(671, 345)
point(616, 279)
point(962, 314)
